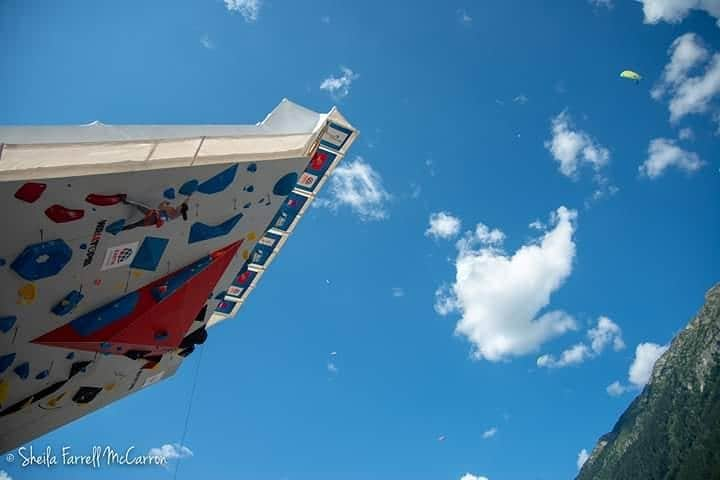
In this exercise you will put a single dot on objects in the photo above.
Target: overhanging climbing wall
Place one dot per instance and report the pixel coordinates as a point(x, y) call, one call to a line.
point(122, 244)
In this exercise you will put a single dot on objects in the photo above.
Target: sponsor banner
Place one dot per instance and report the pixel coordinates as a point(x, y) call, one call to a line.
point(315, 170)
point(120, 256)
point(335, 136)
point(288, 212)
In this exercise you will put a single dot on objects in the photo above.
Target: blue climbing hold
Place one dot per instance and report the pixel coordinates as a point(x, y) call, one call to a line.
point(6, 323)
point(219, 182)
point(67, 304)
point(115, 227)
point(22, 370)
point(169, 193)
point(247, 205)
point(70, 355)
point(200, 231)
point(285, 185)
point(249, 188)
point(42, 260)
point(188, 188)
point(83, 246)
point(97, 319)
point(179, 278)
point(150, 252)
point(6, 361)
point(252, 167)
point(42, 375)
point(2, 262)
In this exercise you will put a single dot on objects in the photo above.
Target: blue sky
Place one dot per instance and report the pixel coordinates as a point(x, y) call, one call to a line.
point(495, 114)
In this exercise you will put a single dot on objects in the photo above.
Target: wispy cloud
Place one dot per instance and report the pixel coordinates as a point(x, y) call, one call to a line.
point(606, 332)
point(332, 368)
point(675, 11)
point(443, 225)
point(206, 42)
point(689, 94)
point(398, 292)
point(358, 186)
point(249, 9)
point(463, 17)
point(582, 457)
point(602, 3)
point(489, 433)
point(686, 134)
point(170, 452)
point(339, 87)
point(572, 147)
point(646, 354)
point(521, 99)
point(470, 476)
point(499, 296)
point(663, 153)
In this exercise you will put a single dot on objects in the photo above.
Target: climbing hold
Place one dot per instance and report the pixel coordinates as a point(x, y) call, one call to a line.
point(97, 282)
point(30, 192)
point(22, 370)
point(285, 185)
point(59, 214)
point(6, 323)
point(249, 188)
point(86, 394)
point(70, 355)
point(161, 335)
point(136, 274)
point(169, 193)
point(4, 388)
point(219, 182)
point(115, 227)
point(68, 303)
point(109, 386)
point(83, 246)
point(246, 254)
point(2, 262)
point(105, 200)
point(42, 374)
point(200, 231)
point(252, 167)
point(247, 205)
point(6, 361)
point(188, 188)
point(42, 260)
point(27, 294)
point(105, 345)
point(150, 252)
point(251, 236)
point(95, 320)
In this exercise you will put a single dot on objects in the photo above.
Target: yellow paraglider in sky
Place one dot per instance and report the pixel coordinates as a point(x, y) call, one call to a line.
point(630, 75)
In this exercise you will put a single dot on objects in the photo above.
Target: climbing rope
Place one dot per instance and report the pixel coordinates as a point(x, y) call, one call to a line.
point(189, 410)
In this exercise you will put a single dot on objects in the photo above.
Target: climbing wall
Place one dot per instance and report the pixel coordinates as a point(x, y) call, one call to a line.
point(109, 281)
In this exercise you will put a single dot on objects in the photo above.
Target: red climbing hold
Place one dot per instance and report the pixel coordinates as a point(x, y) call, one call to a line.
point(30, 192)
point(60, 214)
point(105, 200)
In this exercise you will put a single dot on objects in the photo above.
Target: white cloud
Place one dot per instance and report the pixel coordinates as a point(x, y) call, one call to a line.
point(537, 225)
point(470, 476)
point(582, 458)
point(500, 296)
point(249, 9)
point(663, 153)
point(490, 432)
point(398, 292)
point(615, 389)
point(521, 99)
point(357, 185)
point(686, 134)
point(603, 334)
point(443, 225)
point(572, 356)
point(463, 17)
point(571, 147)
point(689, 94)
point(602, 3)
point(171, 451)
point(206, 42)
point(4, 475)
point(646, 354)
point(674, 11)
point(339, 87)
point(332, 368)
point(606, 332)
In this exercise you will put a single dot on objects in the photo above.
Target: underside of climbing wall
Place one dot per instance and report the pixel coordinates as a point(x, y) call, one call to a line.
point(123, 244)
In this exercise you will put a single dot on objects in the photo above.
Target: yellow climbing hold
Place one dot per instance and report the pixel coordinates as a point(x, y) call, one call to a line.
point(4, 388)
point(109, 386)
point(53, 401)
point(27, 293)
point(137, 273)
point(251, 236)
point(246, 254)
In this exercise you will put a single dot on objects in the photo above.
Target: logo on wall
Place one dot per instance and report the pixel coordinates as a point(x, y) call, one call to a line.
point(99, 228)
point(119, 256)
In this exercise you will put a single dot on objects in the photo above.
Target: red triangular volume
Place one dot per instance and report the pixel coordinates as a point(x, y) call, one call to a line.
point(154, 318)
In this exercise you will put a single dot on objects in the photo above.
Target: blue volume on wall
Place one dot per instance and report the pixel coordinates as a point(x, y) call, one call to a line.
point(93, 321)
point(219, 182)
point(42, 260)
point(199, 231)
point(150, 252)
